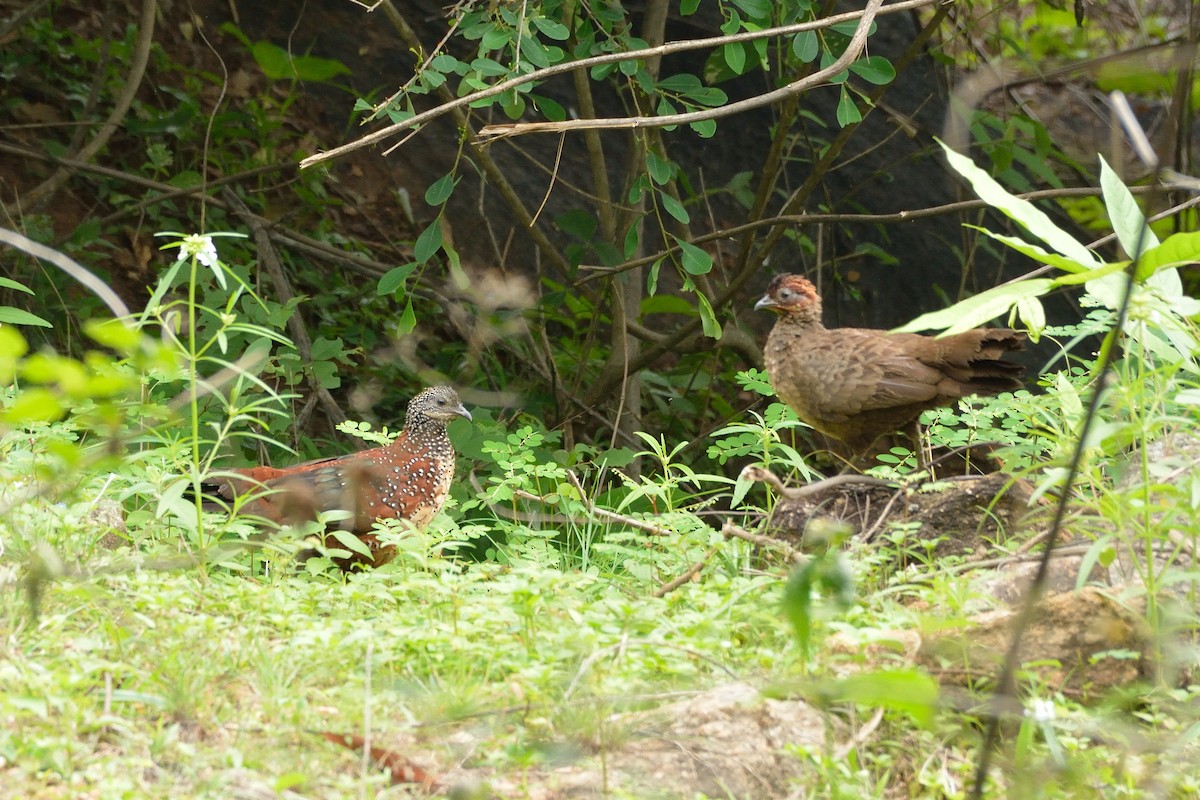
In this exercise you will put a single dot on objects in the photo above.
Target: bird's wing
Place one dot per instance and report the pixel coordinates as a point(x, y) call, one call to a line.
point(392, 482)
point(882, 374)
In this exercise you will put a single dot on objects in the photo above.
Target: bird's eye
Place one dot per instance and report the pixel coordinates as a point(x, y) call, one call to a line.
point(786, 293)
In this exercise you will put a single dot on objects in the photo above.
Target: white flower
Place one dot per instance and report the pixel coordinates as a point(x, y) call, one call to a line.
point(1041, 711)
point(199, 246)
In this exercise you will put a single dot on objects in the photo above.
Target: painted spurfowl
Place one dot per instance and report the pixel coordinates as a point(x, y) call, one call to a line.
point(408, 479)
point(856, 385)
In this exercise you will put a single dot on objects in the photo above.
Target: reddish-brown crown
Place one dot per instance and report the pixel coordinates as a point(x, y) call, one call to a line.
point(792, 296)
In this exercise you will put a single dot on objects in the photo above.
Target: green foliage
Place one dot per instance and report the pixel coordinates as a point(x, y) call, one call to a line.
point(539, 589)
point(1159, 313)
point(17, 316)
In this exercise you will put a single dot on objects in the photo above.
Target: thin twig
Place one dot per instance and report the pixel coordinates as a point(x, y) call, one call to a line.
point(792, 221)
point(687, 575)
point(859, 737)
point(794, 555)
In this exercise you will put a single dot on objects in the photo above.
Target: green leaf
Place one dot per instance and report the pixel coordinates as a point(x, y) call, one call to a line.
point(535, 52)
point(488, 68)
point(756, 9)
point(674, 208)
point(1035, 252)
point(688, 7)
point(33, 405)
point(12, 346)
point(428, 241)
point(496, 38)
point(277, 64)
point(7, 283)
point(444, 62)
point(805, 46)
point(797, 603)
point(660, 168)
point(1177, 250)
point(681, 84)
point(629, 68)
point(874, 69)
point(847, 112)
point(394, 279)
point(704, 127)
point(708, 320)
point(121, 337)
point(848, 28)
point(905, 690)
point(351, 542)
point(551, 109)
point(735, 57)
point(513, 104)
point(652, 276)
point(440, 190)
point(407, 321)
point(326, 374)
point(15, 316)
point(708, 96)
point(1127, 220)
point(1030, 216)
point(1033, 314)
point(631, 239)
point(983, 307)
point(579, 223)
point(695, 260)
point(552, 28)
point(827, 59)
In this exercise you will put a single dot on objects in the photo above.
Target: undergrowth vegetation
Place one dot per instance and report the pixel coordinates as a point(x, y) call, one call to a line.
point(189, 657)
point(592, 568)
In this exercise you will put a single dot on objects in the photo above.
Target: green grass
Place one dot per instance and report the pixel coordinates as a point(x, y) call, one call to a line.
point(169, 684)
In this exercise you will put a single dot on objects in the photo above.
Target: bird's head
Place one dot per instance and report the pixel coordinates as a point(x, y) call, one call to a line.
point(439, 403)
point(791, 295)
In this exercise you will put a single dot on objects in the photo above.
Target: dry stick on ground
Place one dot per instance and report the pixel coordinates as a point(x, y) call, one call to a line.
point(860, 737)
point(795, 556)
point(756, 473)
point(137, 70)
point(611, 58)
point(685, 576)
point(269, 260)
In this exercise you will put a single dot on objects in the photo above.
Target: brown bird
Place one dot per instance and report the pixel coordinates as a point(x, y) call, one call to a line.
point(408, 479)
point(856, 385)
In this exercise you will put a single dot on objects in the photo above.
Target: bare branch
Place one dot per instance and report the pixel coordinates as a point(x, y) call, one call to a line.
point(857, 42)
point(609, 58)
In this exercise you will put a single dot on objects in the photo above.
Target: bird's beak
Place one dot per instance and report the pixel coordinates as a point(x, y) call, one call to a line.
point(462, 412)
point(766, 302)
